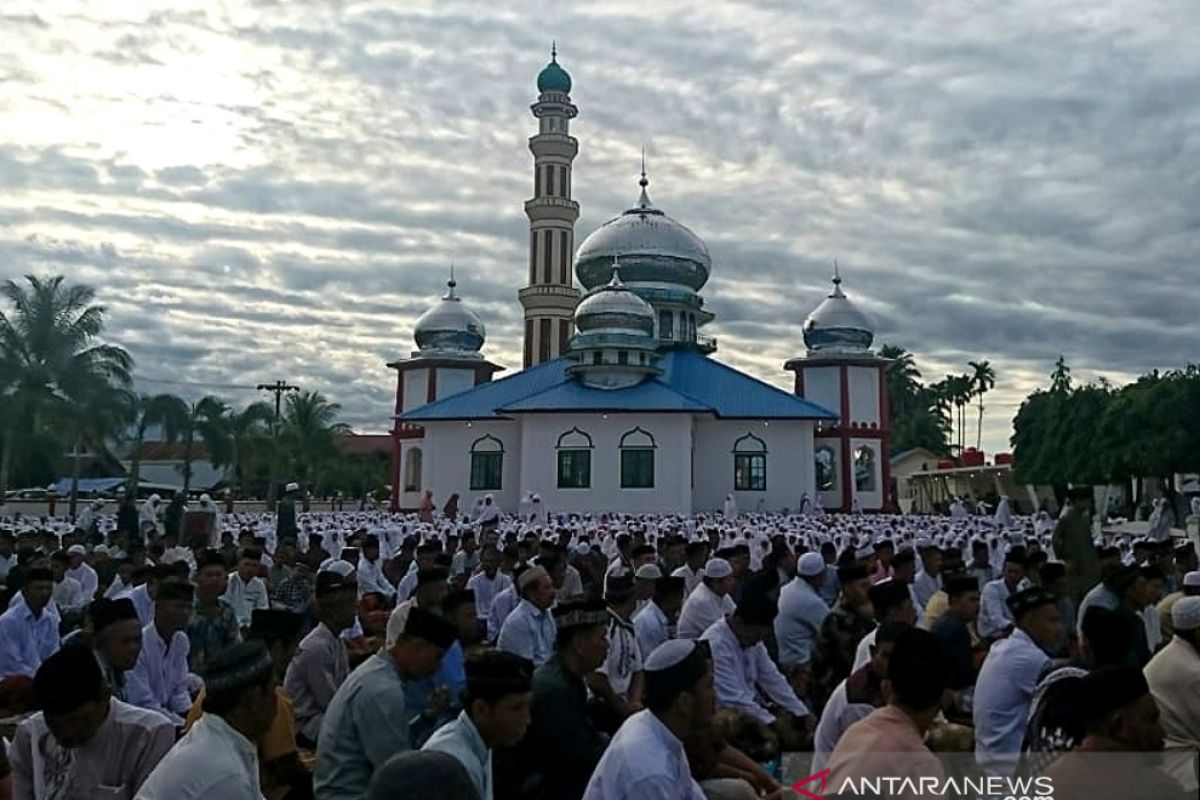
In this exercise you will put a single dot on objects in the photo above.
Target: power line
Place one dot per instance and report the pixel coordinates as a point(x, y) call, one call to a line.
point(246, 386)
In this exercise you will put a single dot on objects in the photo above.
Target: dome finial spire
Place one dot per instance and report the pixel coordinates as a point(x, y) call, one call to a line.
point(554, 50)
point(644, 198)
point(837, 280)
point(451, 283)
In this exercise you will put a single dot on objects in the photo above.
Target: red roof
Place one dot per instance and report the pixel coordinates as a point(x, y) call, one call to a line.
point(170, 451)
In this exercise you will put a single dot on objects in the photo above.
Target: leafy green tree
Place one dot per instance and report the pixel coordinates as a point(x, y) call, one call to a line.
point(166, 411)
point(51, 359)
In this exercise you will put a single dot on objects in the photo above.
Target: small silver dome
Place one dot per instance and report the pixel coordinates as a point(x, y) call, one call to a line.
point(653, 248)
point(614, 308)
point(449, 327)
point(837, 324)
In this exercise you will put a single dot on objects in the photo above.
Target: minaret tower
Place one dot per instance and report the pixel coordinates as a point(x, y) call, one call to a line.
point(549, 298)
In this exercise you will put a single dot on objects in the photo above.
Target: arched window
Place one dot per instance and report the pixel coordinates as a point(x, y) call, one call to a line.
point(637, 459)
point(864, 469)
point(574, 450)
point(826, 469)
point(487, 464)
point(412, 470)
point(750, 464)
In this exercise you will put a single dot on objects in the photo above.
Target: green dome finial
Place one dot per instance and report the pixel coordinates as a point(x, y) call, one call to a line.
point(554, 78)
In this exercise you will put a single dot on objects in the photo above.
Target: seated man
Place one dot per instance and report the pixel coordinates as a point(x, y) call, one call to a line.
point(321, 663)
point(710, 602)
point(529, 630)
point(279, 768)
point(84, 743)
point(857, 696)
point(28, 632)
point(617, 684)
point(159, 680)
point(216, 758)
point(890, 741)
point(116, 640)
point(563, 745)
point(743, 669)
point(367, 722)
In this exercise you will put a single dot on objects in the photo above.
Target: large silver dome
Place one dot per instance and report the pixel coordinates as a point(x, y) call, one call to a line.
point(837, 324)
point(614, 308)
point(450, 327)
point(652, 247)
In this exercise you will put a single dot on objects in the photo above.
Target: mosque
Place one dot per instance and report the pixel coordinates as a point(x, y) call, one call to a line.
point(620, 405)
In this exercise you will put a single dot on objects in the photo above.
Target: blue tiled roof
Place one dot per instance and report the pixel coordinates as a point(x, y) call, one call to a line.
point(690, 383)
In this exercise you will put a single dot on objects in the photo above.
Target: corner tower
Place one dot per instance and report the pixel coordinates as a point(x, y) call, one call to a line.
point(549, 298)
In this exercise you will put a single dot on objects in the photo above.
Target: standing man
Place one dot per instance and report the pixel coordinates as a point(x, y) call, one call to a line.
point(285, 513)
point(84, 743)
point(217, 757)
point(1073, 544)
point(495, 714)
point(367, 722)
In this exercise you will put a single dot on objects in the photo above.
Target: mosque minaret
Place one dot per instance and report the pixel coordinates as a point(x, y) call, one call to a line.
point(549, 298)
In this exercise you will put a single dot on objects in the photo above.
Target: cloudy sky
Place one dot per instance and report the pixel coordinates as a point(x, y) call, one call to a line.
point(266, 189)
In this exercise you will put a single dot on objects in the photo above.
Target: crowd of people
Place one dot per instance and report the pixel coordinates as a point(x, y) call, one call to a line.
point(362, 654)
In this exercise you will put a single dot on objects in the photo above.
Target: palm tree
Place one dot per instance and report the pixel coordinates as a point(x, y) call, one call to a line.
point(956, 390)
point(164, 410)
point(50, 356)
point(205, 421)
point(903, 379)
point(91, 419)
point(309, 432)
point(983, 379)
point(249, 432)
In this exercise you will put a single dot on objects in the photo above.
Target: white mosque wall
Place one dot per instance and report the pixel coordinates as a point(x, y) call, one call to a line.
point(868, 487)
point(789, 457)
point(863, 383)
point(823, 386)
point(452, 381)
point(447, 460)
point(412, 472)
point(416, 388)
point(672, 437)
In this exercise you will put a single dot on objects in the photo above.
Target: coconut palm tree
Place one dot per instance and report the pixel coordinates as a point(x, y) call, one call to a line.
point(51, 357)
point(982, 380)
point(90, 420)
point(249, 432)
point(167, 411)
point(309, 432)
point(205, 421)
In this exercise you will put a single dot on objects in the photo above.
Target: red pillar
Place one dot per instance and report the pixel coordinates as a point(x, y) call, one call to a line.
point(844, 425)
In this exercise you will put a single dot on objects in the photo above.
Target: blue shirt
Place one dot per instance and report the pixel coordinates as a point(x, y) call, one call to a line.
point(451, 676)
point(25, 641)
point(529, 632)
point(461, 739)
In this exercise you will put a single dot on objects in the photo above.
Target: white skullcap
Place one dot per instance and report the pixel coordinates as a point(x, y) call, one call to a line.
point(810, 565)
point(1185, 614)
point(650, 572)
point(101, 550)
point(338, 567)
point(76, 550)
point(292, 487)
point(717, 568)
point(668, 654)
point(1192, 578)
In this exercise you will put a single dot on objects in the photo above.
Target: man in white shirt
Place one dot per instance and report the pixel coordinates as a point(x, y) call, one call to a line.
point(159, 680)
point(653, 623)
point(370, 570)
point(495, 714)
point(929, 579)
point(646, 759)
point(529, 630)
point(488, 582)
point(81, 571)
point(466, 560)
point(801, 612)
point(68, 594)
point(692, 572)
point(743, 669)
point(84, 743)
point(246, 591)
point(1010, 673)
point(28, 631)
point(218, 759)
point(710, 602)
point(995, 619)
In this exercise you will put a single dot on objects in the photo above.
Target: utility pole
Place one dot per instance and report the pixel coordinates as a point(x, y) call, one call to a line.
point(278, 388)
